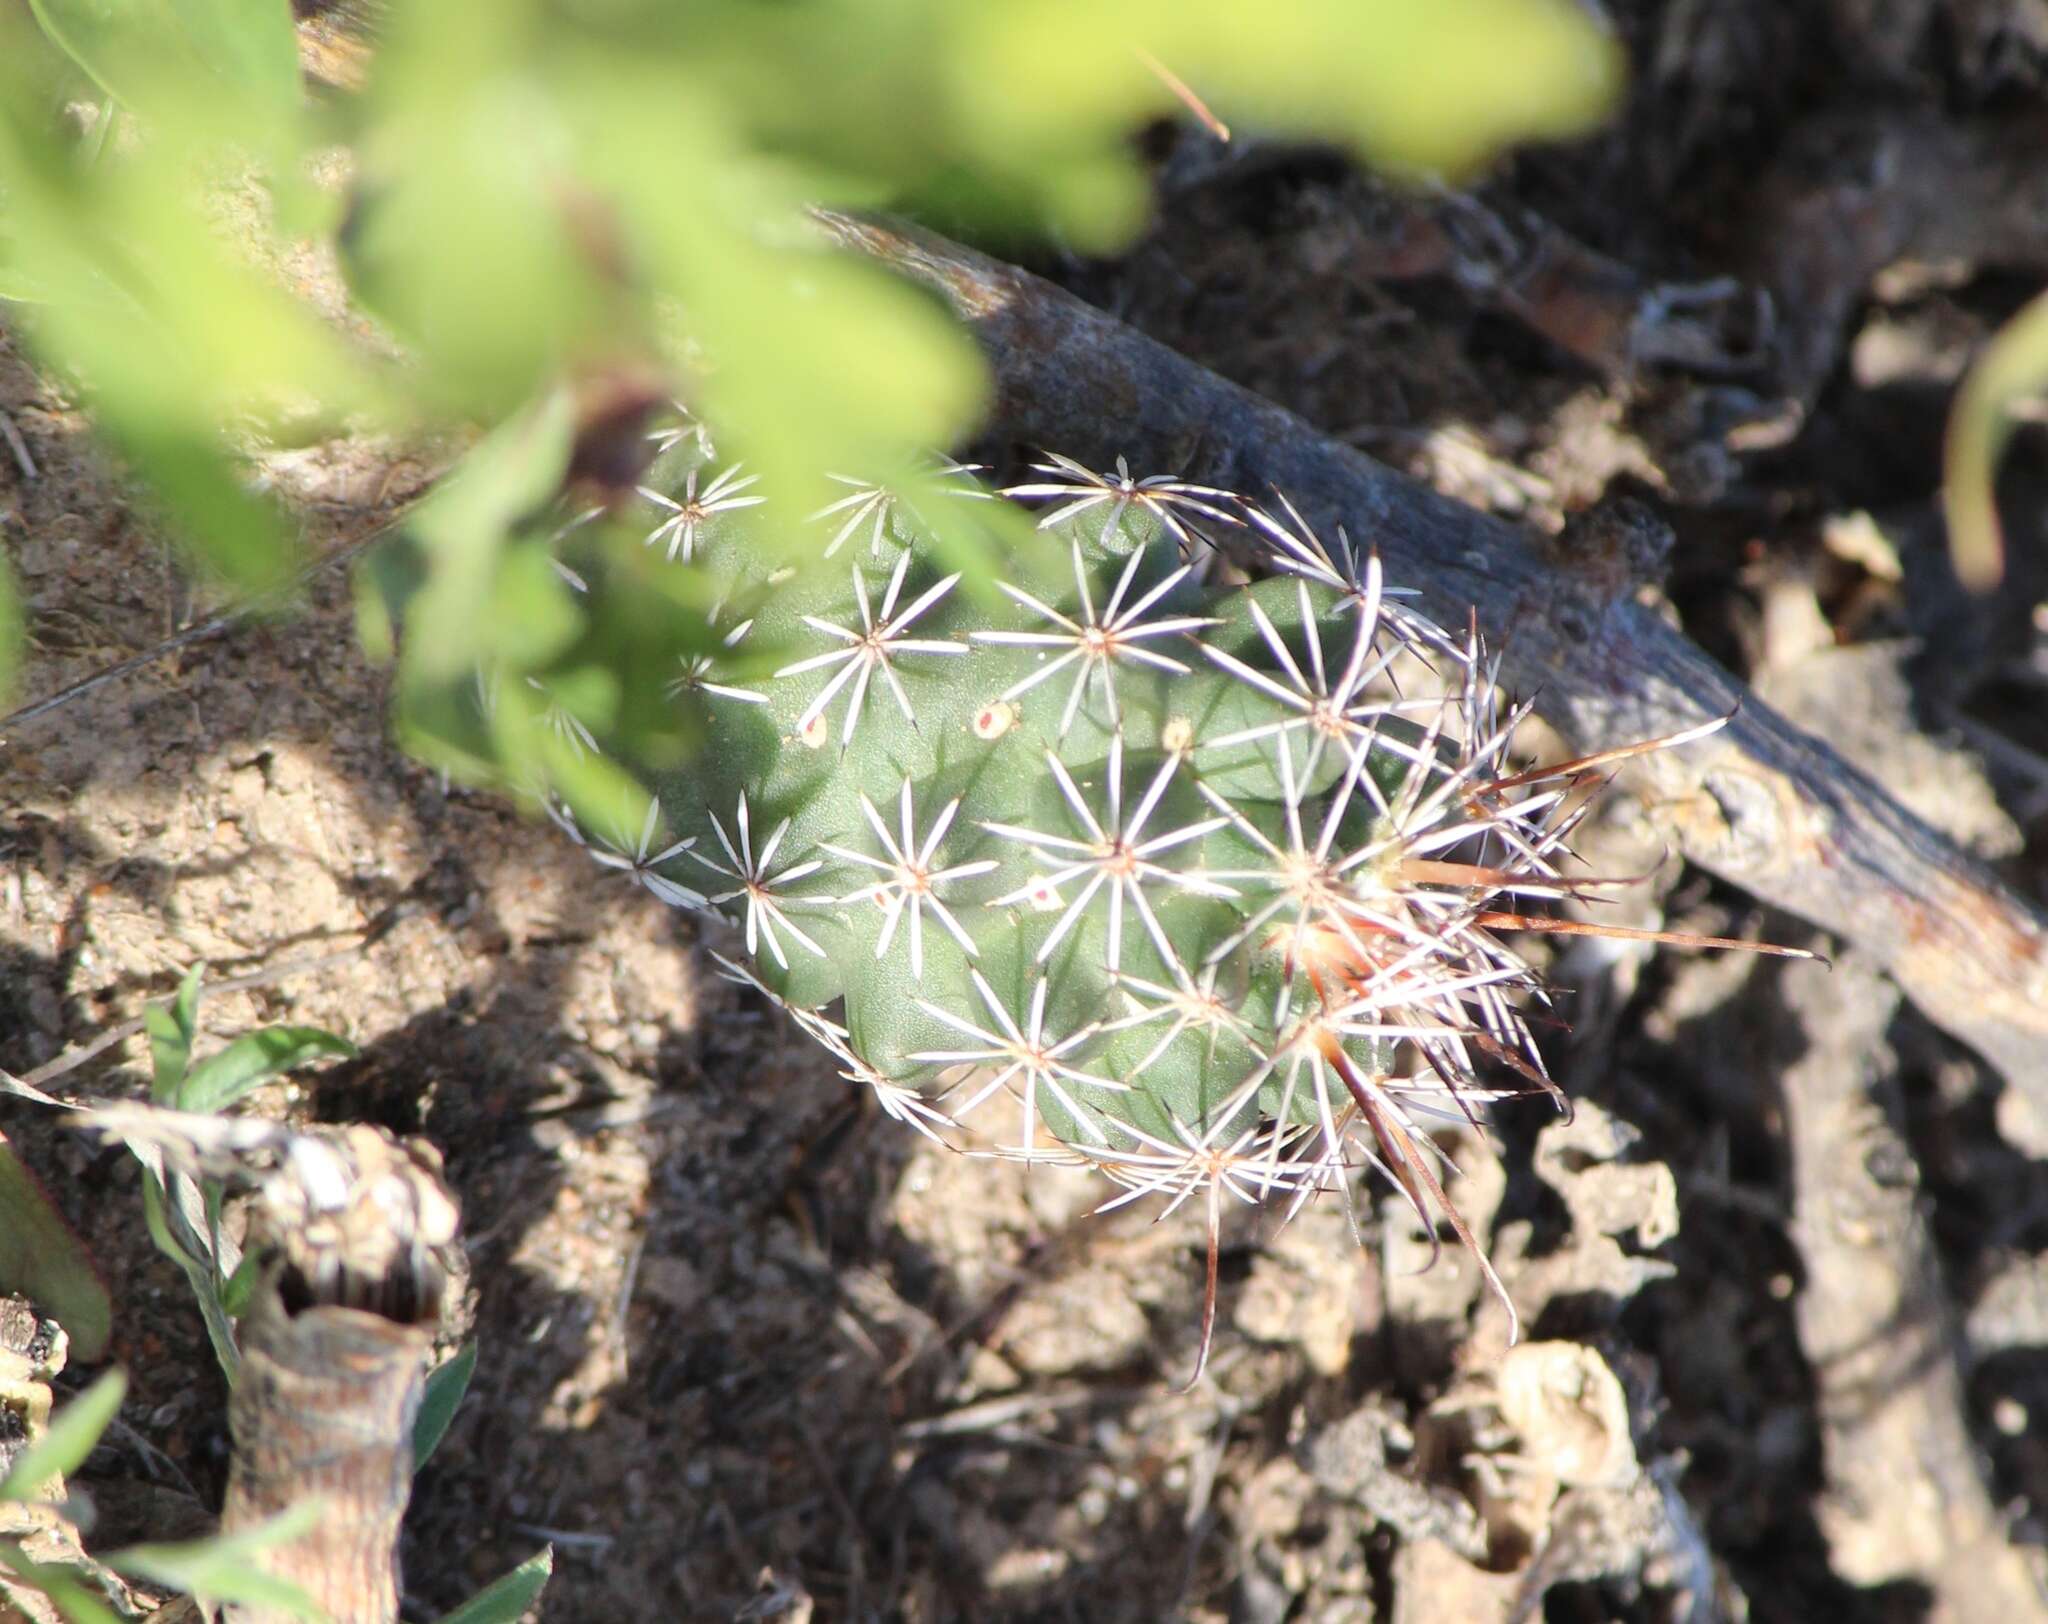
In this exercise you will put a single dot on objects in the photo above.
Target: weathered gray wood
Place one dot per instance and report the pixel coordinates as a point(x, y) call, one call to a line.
point(1906, 1494)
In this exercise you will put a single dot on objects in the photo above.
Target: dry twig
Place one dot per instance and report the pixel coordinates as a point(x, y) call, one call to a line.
point(1906, 1496)
point(334, 1358)
point(1856, 190)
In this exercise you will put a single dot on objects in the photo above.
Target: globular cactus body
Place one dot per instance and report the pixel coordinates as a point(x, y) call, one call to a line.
point(1193, 879)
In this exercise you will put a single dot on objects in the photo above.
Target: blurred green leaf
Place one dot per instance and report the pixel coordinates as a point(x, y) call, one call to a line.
point(811, 361)
point(155, 55)
point(171, 1028)
point(13, 627)
point(239, 1288)
point(2012, 368)
point(89, 34)
point(74, 1603)
point(15, 283)
point(155, 303)
point(1427, 89)
point(462, 530)
point(541, 194)
point(199, 1273)
point(249, 44)
point(241, 536)
point(43, 1260)
point(224, 1568)
point(505, 1600)
point(446, 1384)
point(464, 143)
point(601, 793)
point(155, 1213)
point(251, 1060)
point(71, 1435)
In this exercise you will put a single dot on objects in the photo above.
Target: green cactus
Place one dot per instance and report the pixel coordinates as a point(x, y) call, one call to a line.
point(1128, 862)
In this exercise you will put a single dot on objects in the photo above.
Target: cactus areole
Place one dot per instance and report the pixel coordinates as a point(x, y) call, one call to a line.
point(1121, 859)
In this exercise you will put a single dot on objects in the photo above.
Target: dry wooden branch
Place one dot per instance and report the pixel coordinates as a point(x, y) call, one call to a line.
point(1856, 190)
point(1761, 803)
point(1906, 1495)
point(1508, 258)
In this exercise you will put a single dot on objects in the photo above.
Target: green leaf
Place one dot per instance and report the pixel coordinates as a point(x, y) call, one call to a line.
point(72, 1433)
point(252, 1060)
point(2013, 367)
point(163, 54)
point(464, 530)
point(809, 360)
point(240, 1287)
point(251, 44)
point(43, 1260)
point(446, 1384)
point(81, 31)
point(171, 1029)
point(1046, 88)
point(224, 1568)
point(74, 1603)
point(199, 1274)
point(240, 535)
point(155, 1213)
point(505, 1600)
point(13, 628)
point(179, 343)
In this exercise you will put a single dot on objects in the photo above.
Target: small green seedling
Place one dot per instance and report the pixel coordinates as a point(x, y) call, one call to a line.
point(506, 1599)
point(446, 1384)
point(222, 1569)
point(184, 1212)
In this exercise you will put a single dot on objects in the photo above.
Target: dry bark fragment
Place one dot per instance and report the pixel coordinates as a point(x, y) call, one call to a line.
point(1856, 190)
point(33, 1350)
point(334, 1358)
point(1905, 1495)
point(1761, 804)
